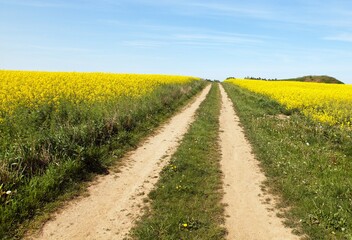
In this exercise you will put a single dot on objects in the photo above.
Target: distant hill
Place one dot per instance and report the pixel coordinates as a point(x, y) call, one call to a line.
point(317, 79)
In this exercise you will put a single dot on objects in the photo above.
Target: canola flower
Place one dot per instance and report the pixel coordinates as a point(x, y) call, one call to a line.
point(327, 103)
point(33, 88)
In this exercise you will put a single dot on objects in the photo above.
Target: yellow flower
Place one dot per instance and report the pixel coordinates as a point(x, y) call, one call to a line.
point(33, 89)
point(327, 103)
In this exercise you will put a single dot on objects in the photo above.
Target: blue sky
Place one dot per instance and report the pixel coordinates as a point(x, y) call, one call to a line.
point(209, 39)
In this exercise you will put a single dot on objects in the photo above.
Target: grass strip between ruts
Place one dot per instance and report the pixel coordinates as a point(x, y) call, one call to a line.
point(186, 202)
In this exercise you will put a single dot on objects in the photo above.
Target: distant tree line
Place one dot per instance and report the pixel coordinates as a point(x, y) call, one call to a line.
point(255, 78)
point(259, 78)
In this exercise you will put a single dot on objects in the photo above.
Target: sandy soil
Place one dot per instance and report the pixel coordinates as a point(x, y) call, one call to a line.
point(115, 201)
point(249, 214)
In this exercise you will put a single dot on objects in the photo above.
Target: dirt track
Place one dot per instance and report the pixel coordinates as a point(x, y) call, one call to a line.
point(115, 200)
point(248, 217)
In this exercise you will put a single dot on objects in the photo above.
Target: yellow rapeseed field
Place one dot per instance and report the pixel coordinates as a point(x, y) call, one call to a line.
point(32, 89)
point(328, 103)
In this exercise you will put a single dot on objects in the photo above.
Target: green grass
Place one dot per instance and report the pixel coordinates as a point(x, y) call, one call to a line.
point(186, 201)
point(307, 163)
point(47, 153)
point(318, 79)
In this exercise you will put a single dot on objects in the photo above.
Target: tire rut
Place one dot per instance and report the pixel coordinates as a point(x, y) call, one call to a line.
point(250, 215)
point(115, 201)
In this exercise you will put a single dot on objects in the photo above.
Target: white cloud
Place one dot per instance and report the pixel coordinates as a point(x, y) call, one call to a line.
point(231, 9)
point(37, 3)
point(58, 48)
point(201, 39)
point(218, 38)
point(343, 37)
point(144, 43)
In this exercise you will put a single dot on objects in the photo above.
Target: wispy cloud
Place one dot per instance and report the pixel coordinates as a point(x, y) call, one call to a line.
point(145, 43)
point(310, 14)
point(77, 4)
point(343, 37)
point(155, 34)
point(317, 14)
point(200, 40)
point(37, 3)
point(212, 8)
point(58, 48)
point(230, 9)
point(299, 14)
point(218, 38)
point(144, 26)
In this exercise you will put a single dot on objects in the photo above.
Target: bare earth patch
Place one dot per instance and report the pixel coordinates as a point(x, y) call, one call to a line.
point(115, 201)
point(251, 213)
point(282, 117)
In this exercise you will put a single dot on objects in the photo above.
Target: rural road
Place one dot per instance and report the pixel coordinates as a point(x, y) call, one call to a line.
point(247, 216)
point(115, 201)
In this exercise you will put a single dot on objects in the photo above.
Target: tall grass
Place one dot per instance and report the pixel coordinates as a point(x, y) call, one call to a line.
point(46, 151)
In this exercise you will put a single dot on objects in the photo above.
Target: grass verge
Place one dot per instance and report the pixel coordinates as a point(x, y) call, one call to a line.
point(48, 153)
point(186, 201)
point(307, 163)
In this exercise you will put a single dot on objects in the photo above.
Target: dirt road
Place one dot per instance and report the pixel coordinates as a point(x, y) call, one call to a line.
point(115, 200)
point(248, 218)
